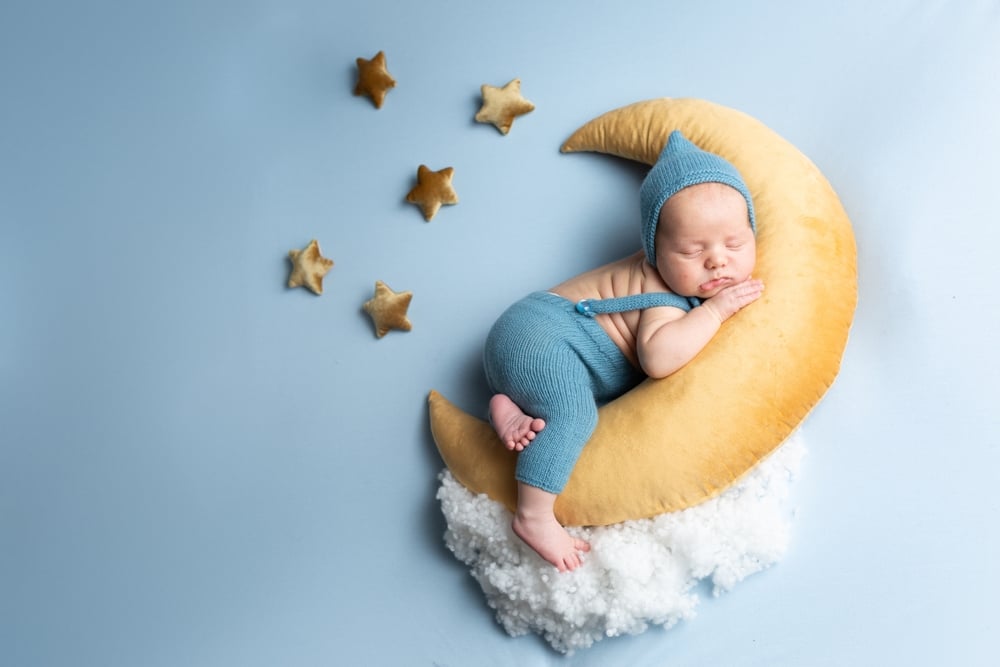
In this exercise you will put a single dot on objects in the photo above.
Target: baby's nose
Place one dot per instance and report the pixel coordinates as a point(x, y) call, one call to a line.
point(715, 259)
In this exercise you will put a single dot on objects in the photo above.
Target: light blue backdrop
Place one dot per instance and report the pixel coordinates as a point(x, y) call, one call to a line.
point(201, 467)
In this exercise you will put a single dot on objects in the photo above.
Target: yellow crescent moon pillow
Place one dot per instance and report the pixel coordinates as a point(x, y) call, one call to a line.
point(672, 443)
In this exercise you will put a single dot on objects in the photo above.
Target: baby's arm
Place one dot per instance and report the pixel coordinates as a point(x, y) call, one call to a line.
point(666, 341)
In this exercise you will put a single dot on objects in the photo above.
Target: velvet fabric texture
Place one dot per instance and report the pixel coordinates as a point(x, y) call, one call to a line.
point(672, 443)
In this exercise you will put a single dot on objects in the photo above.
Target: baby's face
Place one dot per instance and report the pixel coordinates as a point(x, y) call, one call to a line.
point(704, 242)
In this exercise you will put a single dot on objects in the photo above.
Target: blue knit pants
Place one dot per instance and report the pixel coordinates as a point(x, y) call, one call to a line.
point(555, 364)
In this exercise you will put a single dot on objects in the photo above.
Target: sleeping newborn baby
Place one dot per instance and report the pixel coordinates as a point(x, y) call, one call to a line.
point(553, 357)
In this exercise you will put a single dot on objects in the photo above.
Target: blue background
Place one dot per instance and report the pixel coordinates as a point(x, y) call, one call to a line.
point(199, 466)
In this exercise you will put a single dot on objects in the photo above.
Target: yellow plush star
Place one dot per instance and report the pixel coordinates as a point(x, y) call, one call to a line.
point(308, 267)
point(433, 189)
point(502, 105)
point(374, 79)
point(388, 309)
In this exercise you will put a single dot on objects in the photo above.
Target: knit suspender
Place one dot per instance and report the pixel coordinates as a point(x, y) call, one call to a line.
point(592, 307)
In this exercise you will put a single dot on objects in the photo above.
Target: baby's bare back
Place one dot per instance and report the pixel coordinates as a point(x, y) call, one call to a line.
point(626, 277)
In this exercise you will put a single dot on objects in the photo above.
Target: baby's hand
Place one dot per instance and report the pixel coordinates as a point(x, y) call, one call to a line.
point(732, 299)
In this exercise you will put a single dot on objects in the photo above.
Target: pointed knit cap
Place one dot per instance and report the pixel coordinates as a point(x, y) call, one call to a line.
point(680, 165)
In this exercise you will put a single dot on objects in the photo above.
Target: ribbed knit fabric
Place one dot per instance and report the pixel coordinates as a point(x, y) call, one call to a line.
point(682, 164)
point(621, 304)
point(557, 365)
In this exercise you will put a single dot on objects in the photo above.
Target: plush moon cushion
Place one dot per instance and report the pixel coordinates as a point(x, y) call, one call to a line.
point(672, 443)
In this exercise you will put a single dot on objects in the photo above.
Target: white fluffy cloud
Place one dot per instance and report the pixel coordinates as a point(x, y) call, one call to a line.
point(638, 573)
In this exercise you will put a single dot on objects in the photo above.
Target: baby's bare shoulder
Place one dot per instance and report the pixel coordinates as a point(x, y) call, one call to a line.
point(652, 281)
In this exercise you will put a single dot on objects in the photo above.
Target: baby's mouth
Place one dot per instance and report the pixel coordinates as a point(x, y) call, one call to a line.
point(714, 284)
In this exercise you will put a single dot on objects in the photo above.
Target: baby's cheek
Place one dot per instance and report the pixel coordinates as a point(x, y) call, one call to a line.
point(690, 276)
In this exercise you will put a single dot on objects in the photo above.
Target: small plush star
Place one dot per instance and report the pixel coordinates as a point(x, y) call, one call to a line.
point(308, 267)
point(433, 189)
point(374, 79)
point(388, 309)
point(502, 105)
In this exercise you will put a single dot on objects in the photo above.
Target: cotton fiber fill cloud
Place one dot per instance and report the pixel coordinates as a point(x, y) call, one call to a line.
point(638, 573)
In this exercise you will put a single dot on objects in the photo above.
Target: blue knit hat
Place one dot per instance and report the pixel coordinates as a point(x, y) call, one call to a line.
point(682, 164)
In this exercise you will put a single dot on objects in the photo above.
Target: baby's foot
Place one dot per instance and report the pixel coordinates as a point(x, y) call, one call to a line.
point(550, 540)
point(514, 428)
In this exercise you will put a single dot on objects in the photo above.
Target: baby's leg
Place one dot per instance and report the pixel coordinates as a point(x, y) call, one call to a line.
point(544, 469)
point(536, 524)
point(514, 428)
